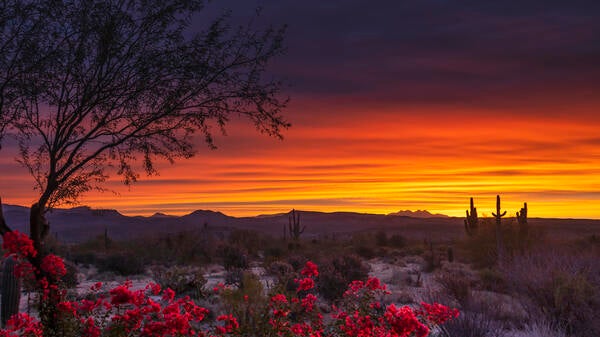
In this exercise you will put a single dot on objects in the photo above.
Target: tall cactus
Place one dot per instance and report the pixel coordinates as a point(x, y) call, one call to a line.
point(523, 227)
point(498, 215)
point(295, 228)
point(11, 291)
point(471, 222)
point(522, 216)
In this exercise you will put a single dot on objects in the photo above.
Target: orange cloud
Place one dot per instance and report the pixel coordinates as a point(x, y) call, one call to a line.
point(376, 160)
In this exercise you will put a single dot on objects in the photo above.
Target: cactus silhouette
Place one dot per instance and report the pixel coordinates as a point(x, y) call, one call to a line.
point(471, 222)
point(498, 215)
point(523, 227)
point(295, 228)
point(11, 291)
point(522, 216)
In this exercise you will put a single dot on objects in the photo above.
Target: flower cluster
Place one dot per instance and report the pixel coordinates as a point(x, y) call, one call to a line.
point(22, 325)
point(298, 315)
point(18, 245)
point(135, 312)
point(363, 315)
point(437, 313)
point(154, 312)
point(54, 266)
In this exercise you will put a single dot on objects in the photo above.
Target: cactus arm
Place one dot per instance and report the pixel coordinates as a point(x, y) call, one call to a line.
point(471, 220)
point(11, 291)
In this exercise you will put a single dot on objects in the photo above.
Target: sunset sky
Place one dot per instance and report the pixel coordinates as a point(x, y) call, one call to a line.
point(400, 105)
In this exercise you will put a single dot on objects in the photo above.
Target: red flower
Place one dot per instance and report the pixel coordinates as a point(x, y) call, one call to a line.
point(121, 295)
point(437, 313)
point(54, 266)
point(19, 244)
point(310, 269)
point(305, 284)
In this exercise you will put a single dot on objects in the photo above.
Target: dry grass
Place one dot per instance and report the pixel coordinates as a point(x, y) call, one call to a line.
point(560, 285)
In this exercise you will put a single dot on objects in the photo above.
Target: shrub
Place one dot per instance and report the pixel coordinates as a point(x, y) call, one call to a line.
point(234, 257)
point(249, 240)
point(397, 241)
point(188, 281)
point(85, 258)
point(273, 252)
point(538, 329)
point(365, 251)
point(471, 324)
point(124, 264)
point(284, 272)
point(562, 286)
point(456, 285)
point(337, 273)
point(381, 238)
point(234, 276)
point(70, 279)
point(297, 261)
point(492, 280)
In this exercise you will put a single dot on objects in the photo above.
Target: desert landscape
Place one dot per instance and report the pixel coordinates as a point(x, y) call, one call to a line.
point(276, 168)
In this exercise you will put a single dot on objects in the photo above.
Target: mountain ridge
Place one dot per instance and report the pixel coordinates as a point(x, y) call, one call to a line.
point(76, 225)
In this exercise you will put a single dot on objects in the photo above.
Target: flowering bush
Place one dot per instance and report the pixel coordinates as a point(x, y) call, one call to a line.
point(154, 312)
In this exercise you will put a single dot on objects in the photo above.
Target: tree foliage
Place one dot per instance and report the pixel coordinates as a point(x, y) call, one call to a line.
point(121, 84)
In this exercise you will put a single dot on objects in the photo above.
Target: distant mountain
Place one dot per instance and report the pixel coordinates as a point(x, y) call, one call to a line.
point(418, 214)
point(83, 223)
point(162, 215)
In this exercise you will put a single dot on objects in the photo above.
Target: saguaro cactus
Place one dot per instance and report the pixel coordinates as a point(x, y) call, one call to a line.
point(498, 215)
point(522, 216)
point(471, 222)
point(523, 227)
point(11, 291)
point(294, 225)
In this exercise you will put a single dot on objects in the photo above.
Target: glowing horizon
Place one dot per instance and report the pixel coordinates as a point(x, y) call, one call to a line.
point(374, 161)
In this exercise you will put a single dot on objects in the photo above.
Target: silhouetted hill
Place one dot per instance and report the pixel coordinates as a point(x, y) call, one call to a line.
point(83, 223)
point(418, 214)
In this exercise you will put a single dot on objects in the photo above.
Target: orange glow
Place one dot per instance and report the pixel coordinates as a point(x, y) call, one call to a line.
point(379, 160)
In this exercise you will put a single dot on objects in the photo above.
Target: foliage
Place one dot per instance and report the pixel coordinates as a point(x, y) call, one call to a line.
point(234, 257)
point(471, 324)
point(492, 280)
point(284, 272)
point(123, 84)
point(337, 273)
point(121, 263)
point(248, 240)
point(185, 281)
point(456, 285)
point(153, 311)
point(561, 286)
point(397, 241)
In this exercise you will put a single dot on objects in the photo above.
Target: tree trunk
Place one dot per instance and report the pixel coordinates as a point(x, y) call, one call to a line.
point(49, 298)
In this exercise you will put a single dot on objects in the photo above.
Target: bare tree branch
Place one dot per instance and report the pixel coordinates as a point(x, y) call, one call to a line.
point(126, 83)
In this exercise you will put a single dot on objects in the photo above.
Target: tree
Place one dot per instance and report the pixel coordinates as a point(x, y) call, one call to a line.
point(22, 42)
point(115, 85)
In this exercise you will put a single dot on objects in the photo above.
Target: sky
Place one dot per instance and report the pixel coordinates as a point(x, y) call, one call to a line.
point(400, 105)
